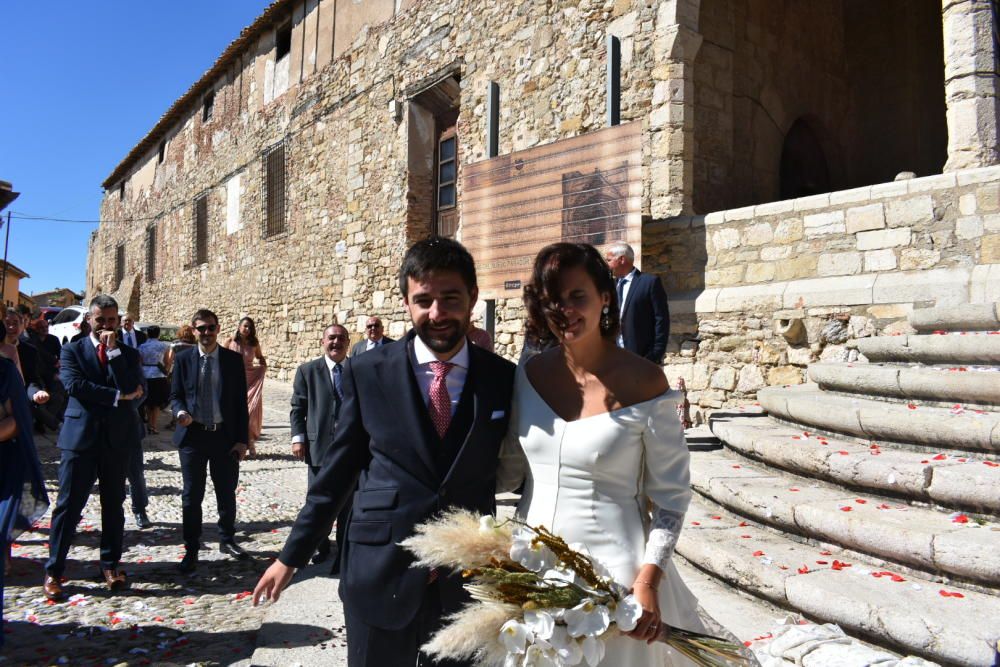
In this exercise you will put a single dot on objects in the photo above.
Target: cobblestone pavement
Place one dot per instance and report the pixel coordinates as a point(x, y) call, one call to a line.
point(166, 618)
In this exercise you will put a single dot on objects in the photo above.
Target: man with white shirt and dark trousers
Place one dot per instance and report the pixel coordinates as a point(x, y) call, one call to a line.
point(208, 398)
point(644, 315)
point(317, 393)
point(420, 428)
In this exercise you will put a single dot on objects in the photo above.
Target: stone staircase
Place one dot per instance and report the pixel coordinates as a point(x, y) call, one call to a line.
point(870, 499)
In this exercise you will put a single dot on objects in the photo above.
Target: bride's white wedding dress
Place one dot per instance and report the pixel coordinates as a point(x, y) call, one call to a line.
point(588, 480)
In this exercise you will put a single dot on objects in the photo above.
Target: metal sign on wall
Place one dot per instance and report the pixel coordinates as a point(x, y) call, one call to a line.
point(587, 189)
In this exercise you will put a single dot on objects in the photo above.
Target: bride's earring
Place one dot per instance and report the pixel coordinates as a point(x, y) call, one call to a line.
point(605, 322)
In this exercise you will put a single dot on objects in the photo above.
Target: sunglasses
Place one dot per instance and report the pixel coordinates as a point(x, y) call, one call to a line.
point(374, 326)
point(207, 328)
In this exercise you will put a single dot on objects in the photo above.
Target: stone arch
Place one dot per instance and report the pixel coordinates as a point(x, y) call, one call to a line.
point(804, 167)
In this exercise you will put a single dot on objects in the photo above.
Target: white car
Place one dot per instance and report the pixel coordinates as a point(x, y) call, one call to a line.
point(66, 324)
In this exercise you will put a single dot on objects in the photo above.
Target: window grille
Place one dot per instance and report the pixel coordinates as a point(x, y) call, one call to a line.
point(150, 254)
point(119, 265)
point(274, 190)
point(201, 230)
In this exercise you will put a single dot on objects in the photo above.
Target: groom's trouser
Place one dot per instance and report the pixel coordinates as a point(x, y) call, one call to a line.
point(368, 646)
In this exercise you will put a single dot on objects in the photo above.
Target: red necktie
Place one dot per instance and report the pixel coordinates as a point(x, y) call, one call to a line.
point(102, 354)
point(440, 403)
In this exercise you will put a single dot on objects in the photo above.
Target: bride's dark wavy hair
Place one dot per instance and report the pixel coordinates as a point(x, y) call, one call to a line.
point(541, 295)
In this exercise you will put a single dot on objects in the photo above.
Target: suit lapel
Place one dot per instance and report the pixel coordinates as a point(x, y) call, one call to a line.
point(632, 286)
point(472, 386)
point(89, 354)
point(399, 385)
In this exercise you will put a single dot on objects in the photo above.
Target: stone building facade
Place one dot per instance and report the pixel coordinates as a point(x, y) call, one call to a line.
point(288, 181)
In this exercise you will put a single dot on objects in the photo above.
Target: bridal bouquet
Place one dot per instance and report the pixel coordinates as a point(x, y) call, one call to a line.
point(538, 601)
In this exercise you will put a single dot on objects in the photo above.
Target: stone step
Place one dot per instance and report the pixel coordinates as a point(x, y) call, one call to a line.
point(917, 537)
point(951, 349)
point(961, 384)
point(965, 317)
point(908, 613)
point(962, 483)
point(807, 405)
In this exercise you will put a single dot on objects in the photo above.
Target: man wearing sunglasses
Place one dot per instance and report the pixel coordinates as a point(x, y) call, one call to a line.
point(373, 337)
point(208, 398)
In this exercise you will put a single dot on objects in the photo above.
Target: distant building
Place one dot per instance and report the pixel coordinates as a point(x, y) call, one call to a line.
point(59, 298)
point(11, 283)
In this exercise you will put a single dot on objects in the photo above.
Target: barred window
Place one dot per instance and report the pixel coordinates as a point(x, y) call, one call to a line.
point(119, 264)
point(201, 229)
point(150, 254)
point(274, 190)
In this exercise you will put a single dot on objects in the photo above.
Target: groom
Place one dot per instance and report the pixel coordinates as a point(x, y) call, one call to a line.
point(420, 429)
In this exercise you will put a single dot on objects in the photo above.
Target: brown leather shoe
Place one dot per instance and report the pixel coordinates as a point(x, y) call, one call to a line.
point(52, 586)
point(115, 579)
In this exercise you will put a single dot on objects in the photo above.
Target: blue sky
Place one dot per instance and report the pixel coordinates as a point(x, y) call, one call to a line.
point(83, 82)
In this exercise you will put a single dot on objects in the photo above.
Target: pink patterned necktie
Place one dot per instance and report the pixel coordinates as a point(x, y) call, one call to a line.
point(440, 403)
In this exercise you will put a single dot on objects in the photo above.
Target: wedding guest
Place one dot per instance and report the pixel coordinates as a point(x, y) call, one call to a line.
point(183, 340)
point(157, 358)
point(373, 337)
point(480, 337)
point(101, 431)
point(642, 305)
point(208, 397)
point(317, 393)
point(129, 334)
point(246, 344)
point(22, 488)
point(28, 364)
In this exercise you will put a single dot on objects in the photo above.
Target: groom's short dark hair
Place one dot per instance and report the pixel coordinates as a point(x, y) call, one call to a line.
point(437, 254)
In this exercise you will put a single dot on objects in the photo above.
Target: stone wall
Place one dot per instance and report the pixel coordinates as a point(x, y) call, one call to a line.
point(777, 286)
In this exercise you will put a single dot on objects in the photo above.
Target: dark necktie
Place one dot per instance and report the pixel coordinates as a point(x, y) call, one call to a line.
point(440, 403)
point(206, 396)
point(621, 293)
point(338, 381)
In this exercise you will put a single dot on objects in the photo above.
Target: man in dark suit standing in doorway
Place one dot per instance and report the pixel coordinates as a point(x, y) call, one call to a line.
point(317, 393)
point(209, 399)
point(129, 335)
point(374, 337)
point(645, 317)
point(420, 428)
point(103, 379)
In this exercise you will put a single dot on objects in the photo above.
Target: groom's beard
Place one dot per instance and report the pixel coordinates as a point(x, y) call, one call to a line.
point(442, 336)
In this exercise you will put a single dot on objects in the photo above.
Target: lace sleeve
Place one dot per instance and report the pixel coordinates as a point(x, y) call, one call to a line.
point(666, 479)
point(663, 537)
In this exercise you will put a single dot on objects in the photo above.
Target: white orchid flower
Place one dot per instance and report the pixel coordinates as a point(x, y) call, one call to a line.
point(593, 650)
point(534, 556)
point(560, 573)
point(587, 619)
point(539, 655)
point(487, 523)
point(567, 648)
point(514, 636)
point(627, 613)
point(540, 623)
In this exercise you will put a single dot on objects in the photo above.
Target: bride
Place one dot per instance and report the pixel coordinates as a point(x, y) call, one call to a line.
point(597, 439)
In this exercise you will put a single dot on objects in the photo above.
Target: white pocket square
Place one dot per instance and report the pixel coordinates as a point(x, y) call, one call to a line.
point(497, 414)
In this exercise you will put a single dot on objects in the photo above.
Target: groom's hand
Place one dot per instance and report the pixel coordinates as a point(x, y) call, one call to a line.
point(274, 581)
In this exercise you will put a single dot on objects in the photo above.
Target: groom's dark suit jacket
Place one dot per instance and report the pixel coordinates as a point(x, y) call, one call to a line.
point(406, 473)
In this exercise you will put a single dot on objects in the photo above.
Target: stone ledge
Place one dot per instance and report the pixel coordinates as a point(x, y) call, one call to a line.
point(904, 534)
point(889, 613)
point(950, 349)
point(932, 384)
point(954, 482)
point(883, 420)
point(964, 317)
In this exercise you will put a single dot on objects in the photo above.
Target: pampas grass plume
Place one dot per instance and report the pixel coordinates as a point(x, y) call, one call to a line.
point(464, 633)
point(454, 540)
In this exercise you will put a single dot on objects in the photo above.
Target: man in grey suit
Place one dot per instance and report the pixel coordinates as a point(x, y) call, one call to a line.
point(316, 398)
point(373, 337)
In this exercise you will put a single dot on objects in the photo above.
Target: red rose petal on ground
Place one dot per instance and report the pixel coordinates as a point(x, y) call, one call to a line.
point(180, 621)
point(846, 508)
point(896, 578)
point(822, 562)
point(158, 619)
point(744, 643)
point(940, 457)
point(737, 467)
point(843, 452)
point(189, 601)
point(793, 489)
point(860, 501)
point(911, 406)
point(743, 524)
point(961, 518)
point(745, 537)
point(837, 565)
point(717, 518)
point(695, 523)
point(758, 554)
point(883, 506)
point(803, 570)
point(825, 553)
point(991, 464)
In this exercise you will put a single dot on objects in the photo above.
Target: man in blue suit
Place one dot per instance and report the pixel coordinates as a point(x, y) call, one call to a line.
point(209, 399)
point(103, 379)
point(645, 317)
point(419, 431)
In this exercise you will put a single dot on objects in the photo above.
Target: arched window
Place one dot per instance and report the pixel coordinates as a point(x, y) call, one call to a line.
point(804, 167)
